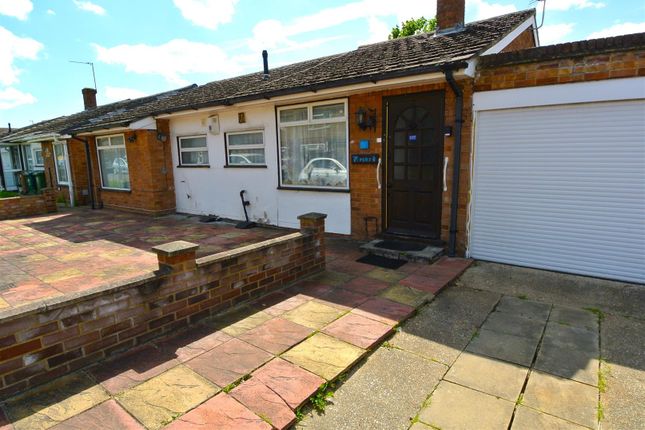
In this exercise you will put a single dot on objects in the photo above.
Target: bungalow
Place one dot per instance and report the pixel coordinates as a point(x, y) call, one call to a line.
point(387, 139)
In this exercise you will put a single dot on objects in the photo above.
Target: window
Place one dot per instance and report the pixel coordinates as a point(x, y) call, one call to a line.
point(193, 151)
point(37, 152)
point(60, 161)
point(313, 146)
point(245, 148)
point(113, 162)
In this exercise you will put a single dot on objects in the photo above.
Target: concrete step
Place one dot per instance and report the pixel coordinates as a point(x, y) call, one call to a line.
point(403, 250)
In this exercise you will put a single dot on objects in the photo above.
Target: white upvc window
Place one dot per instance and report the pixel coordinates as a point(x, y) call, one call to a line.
point(245, 148)
point(193, 151)
point(37, 154)
point(113, 162)
point(61, 163)
point(313, 142)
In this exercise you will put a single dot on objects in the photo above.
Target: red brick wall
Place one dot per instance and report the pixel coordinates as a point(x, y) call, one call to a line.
point(151, 174)
point(18, 207)
point(562, 71)
point(524, 41)
point(366, 198)
point(60, 338)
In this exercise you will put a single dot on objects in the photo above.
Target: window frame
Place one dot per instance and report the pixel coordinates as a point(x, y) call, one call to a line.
point(180, 163)
point(251, 146)
point(65, 156)
point(34, 150)
point(311, 121)
point(110, 146)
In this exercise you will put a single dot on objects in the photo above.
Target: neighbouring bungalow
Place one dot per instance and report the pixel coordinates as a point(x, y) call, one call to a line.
point(471, 138)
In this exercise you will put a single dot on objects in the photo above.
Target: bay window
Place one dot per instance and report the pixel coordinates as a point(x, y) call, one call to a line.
point(313, 145)
point(113, 162)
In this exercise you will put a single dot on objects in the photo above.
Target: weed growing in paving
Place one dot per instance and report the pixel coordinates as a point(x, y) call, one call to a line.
point(319, 400)
point(230, 387)
point(523, 297)
point(600, 314)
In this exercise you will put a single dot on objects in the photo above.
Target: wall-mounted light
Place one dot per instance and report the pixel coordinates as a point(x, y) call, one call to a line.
point(241, 117)
point(447, 131)
point(162, 137)
point(366, 118)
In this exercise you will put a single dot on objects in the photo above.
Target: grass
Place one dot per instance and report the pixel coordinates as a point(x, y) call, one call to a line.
point(5, 194)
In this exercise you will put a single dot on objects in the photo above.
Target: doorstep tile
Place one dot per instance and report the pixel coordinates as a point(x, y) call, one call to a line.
point(276, 335)
point(228, 362)
point(159, 400)
point(222, 412)
point(358, 330)
point(264, 402)
point(293, 384)
point(324, 355)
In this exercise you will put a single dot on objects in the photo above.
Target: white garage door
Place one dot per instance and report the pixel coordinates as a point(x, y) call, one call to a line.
point(562, 188)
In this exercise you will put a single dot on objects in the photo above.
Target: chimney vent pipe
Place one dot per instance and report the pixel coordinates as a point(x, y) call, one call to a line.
point(265, 61)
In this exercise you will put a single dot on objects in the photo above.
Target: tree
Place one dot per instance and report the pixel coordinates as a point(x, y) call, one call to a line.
point(412, 27)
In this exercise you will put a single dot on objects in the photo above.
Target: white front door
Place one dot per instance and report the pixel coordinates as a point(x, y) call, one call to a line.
point(10, 156)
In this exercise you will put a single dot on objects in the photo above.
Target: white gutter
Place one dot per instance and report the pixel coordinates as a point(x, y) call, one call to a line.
point(326, 93)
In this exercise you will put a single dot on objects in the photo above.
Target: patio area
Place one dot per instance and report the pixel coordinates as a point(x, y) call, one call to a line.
point(78, 249)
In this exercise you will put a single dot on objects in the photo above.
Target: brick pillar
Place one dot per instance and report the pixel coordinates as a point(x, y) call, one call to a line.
point(178, 256)
point(49, 198)
point(314, 224)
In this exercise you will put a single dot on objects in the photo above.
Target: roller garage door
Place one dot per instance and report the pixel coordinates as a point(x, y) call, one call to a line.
point(562, 187)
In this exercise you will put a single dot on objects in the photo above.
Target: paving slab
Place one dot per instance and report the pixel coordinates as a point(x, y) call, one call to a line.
point(568, 362)
point(515, 349)
point(624, 372)
point(222, 412)
point(503, 322)
point(313, 315)
point(405, 295)
point(443, 328)
point(365, 285)
point(342, 299)
point(242, 326)
point(276, 335)
point(384, 393)
point(563, 398)
point(332, 278)
point(229, 362)
point(580, 318)
point(277, 304)
point(45, 406)
point(191, 343)
point(563, 336)
point(386, 275)
point(452, 406)
point(324, 355)
point(495, 377)
point(358, 330)
point(106, 416)
point(292, 383)
point(524, 308)
point(159, 400)
point(264, 402)
point(131, 369)
point(530, 419)
point(385, 311)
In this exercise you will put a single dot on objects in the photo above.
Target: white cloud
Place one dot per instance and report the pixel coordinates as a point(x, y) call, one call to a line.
point(484, 9)
point(618, 29)
point(11, 97)
point(16, 8)
point(574, 4)
point(88, 6)
point(378, 30)
point(555, 33)
point(51, 12)
point(115, 94)
point(13, 47)
point(170, 60)
point(207, 13)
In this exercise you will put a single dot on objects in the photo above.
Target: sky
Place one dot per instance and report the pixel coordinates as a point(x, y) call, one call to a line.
point(142, 47)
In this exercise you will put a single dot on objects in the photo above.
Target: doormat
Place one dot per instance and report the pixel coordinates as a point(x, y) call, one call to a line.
point(400, 245)
point(380, 261)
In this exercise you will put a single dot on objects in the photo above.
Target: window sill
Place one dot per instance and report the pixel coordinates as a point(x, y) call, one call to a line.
point(116, 190)
point(200, 166)
point(246, 166)
point(319, 190)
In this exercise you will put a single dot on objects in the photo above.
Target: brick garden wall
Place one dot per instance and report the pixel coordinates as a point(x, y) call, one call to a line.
point(23, 206)
point(57, 338)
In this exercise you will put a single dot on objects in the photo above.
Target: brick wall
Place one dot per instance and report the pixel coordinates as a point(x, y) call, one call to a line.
point(571, 68)
point(61, 337)
point(524, 41)
point(151, 174)
point(366, 198)
point(22, 206)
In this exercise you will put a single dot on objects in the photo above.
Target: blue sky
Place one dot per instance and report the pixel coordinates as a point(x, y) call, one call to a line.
point(143, 47)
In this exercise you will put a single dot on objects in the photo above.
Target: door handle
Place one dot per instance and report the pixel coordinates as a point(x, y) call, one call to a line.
point(378, 173)
point(445, 168)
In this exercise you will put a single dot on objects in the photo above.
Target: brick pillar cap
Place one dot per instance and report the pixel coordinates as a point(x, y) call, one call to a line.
point(175, 248)
point(313, 216)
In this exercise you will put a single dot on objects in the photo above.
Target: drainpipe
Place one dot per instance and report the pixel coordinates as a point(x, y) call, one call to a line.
point(90, 178)
point(456, 157)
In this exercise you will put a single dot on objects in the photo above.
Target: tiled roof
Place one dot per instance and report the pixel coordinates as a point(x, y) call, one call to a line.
point(407, 56)
point(566, 50)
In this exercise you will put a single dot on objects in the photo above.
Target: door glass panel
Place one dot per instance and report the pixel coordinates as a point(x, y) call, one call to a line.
point(413, 155)
point(399, 155)
point(399, 173)
point(428, 173)
point(413, 173)
point(427, 155)
point(400, 138)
